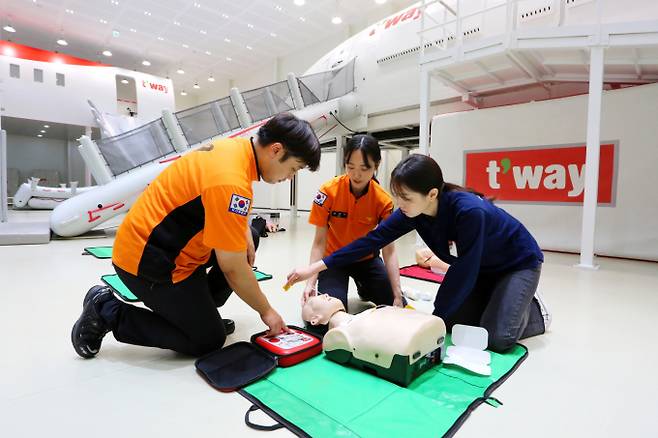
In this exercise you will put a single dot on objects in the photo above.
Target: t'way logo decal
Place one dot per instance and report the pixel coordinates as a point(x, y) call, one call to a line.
point(544, 174)
point(154, 86)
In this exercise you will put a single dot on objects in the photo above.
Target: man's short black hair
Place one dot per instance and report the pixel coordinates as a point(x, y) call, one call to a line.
point(296, 136)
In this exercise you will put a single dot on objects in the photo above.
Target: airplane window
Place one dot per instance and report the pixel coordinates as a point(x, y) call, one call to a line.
point(14, 71)
point(59, 80)
point(38, 75)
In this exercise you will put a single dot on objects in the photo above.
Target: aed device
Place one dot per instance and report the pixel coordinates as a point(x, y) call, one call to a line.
point(237, 365)
point(290, 348)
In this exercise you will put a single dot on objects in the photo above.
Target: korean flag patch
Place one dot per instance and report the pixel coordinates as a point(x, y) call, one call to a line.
point(320, 198)
point(239, 205)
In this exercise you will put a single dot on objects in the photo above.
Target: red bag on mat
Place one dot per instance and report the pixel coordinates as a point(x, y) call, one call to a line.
point(415, 271)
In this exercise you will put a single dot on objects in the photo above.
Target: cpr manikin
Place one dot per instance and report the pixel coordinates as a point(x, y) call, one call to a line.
point(394, 343)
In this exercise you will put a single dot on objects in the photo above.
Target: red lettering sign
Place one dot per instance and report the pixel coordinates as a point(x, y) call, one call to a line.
point(413, 13)
point(154, 86)
point(544, 174)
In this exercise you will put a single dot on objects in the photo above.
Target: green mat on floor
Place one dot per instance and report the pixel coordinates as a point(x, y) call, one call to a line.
point(113, 281)
point(320, 398)
point(100, 252)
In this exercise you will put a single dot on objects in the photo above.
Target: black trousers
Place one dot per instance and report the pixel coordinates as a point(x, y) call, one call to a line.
point(183, 316)
point(503, 304)
point(369, 275)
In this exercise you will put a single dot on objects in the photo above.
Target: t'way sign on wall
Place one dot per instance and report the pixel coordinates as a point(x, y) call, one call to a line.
point(553, 174)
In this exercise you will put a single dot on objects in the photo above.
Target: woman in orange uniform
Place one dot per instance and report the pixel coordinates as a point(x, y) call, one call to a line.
point(346, 208)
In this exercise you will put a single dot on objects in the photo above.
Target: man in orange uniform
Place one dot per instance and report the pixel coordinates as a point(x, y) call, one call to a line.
point(194, 215)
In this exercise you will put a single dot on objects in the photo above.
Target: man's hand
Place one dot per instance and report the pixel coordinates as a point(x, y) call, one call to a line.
point(397, 301)
point(271, 227)
point(274, 322)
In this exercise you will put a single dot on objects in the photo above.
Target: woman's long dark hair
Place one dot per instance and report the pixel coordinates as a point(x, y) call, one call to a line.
point(420, 173)
point(369, 147)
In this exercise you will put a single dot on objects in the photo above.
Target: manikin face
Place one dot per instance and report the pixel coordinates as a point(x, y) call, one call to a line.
point(412, 203)
point(358, 172)
point(273, 170)
point(320, 308)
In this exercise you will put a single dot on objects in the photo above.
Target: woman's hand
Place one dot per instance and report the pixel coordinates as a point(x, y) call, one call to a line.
point(310, 291)
point(301, 274)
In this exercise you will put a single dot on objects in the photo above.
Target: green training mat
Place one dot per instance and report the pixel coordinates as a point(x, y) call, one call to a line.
point(113, 281)
point(100, 252)
point(320, 398)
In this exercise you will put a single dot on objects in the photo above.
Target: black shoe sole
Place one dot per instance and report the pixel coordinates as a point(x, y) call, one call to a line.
point(229, 326)
point(78, 349)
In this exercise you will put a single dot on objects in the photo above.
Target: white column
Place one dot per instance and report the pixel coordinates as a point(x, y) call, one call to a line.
point(340, 166)
point(87, 170)
point(3, 176)
point(424, 111)
point(592, 158)
point(293, 199)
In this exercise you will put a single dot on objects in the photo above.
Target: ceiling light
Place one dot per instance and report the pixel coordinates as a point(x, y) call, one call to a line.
point(133, 29)
point(380, 2)
point(197, 5)
point(273, 35)
point(278, 8)
point(9, 28)
point(39, 135)
point(116, 33)
point(70, 11)
point(177, 23)
point(115, 2)
point(160, 38)
point(211, 79)
point(62, 42)
point(180, 71)
point(107, 53)
point(224, 16)
point(208, 52)
point(147, 13)
point(302, 19)
point(103, 21)
point(196, 85)
point(146, 63)
point(124, 81)
point(46, 126)
point(183, 93)
point(250, 26)
point(300, 2)
point(186, 46)
point(43, 131)
point(226, 40)
point(203, 32)
point(228, 58)
point(336, 20)
point(249, 48)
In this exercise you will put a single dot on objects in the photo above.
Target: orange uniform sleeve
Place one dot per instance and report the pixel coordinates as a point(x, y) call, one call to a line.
point(226, 212)
point(321, 208)
point(386, 207)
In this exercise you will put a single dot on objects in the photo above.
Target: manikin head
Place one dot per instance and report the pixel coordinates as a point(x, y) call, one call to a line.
point(319, 309)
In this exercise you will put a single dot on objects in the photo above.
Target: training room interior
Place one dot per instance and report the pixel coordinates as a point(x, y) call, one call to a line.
point(547, 107)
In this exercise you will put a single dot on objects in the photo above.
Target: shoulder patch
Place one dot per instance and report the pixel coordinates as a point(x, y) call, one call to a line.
point(239, 205)
point(320, 198)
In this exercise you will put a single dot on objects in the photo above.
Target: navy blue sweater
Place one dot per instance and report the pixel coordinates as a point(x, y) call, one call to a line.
point(488, 239)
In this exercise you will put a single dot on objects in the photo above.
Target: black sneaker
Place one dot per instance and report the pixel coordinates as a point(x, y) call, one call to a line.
point(229, 326)
point(89, 330)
